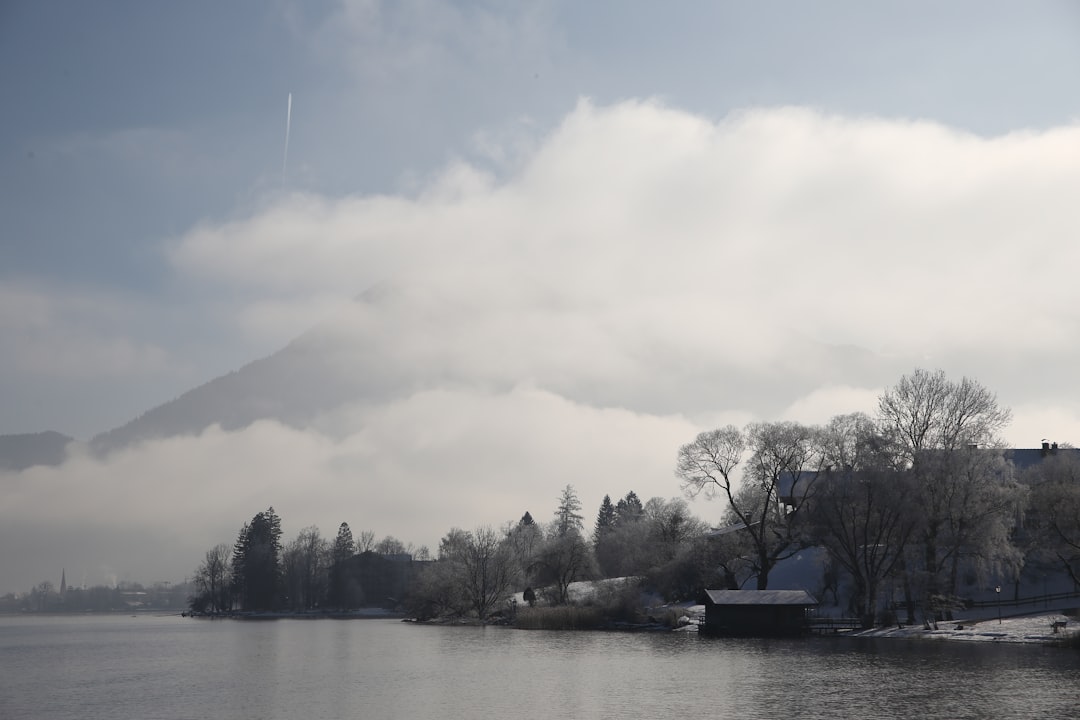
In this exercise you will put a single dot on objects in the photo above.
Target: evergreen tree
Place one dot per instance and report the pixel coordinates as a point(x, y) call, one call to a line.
point(526, 519)
point(629, 509)
point(568, 515)
point(605, 520)
point(257, 562)
point(340, 553)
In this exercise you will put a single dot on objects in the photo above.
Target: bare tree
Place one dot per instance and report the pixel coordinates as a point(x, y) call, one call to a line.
point(306, 566)
point(474, 573)
point(946, 434)
point(563, 560)
point(775, 486)
point(487, 570)
point(212, 580)
point(1053, 516)
point(390, 545)
point(365, 541)
point(864, 518)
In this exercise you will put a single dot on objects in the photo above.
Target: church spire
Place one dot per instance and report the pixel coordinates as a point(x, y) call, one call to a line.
point(63, 581)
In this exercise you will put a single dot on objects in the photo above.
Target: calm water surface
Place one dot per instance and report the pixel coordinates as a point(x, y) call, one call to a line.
point(56, 668)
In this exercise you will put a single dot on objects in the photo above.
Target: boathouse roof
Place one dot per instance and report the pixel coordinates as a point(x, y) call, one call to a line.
point(760, 597)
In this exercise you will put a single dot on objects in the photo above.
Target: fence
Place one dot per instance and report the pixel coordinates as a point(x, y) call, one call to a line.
point(1043, 600)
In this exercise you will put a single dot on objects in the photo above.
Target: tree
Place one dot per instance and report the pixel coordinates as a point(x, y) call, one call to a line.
point(776, 483)
point(305, 569)
point(568, 515)
point(945, 434)
point(487, 570)
point(523, 541)
point(862, 512)
point(212, 581)
point(390, 545)
point(342, 549)
point(625, 550)
point(864, 518)
point(256, 562)
point(1051, 526)
point(563, 560)
point(605, 520)
point(365, 541)
point(474, 573)
point(926, 411)
point(628, 509)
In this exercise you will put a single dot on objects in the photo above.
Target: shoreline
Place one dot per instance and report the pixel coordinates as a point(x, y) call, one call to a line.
point(1048, 628)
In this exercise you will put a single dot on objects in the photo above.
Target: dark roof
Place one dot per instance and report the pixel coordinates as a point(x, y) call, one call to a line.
point(1024, 458)
point(760, 597)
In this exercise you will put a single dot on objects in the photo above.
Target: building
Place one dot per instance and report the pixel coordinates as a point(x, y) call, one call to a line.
point(757, 613)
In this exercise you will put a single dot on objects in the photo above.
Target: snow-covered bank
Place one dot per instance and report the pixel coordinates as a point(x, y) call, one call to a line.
point(1023, 629)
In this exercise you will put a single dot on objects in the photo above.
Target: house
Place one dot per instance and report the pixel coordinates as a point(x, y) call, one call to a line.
point(756, 613)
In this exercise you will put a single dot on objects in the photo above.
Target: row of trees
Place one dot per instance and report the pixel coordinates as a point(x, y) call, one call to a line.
point(260, 573)
point(476, 570)
point(920, 494)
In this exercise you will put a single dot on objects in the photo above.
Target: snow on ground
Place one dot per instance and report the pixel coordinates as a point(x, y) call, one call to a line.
point(1022, 629)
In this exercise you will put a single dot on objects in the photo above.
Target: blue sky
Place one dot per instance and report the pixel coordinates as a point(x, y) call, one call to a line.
point(604, 214)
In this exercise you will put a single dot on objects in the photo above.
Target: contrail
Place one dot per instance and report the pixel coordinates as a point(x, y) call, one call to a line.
point(288, 123)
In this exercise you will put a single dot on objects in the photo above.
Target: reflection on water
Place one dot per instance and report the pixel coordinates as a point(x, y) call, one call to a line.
point(147, 667)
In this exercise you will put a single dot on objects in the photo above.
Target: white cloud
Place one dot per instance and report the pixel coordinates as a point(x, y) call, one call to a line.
point(881, 233)
point(644, 274)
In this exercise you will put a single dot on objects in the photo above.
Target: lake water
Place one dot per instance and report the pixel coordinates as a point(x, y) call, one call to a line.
point(144, 667)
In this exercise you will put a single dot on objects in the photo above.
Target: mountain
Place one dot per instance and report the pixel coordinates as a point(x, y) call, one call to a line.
point(19, 452)
point(292, 386)
point(387, 345)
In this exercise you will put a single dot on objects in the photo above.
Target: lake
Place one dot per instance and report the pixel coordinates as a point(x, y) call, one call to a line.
point(145, 667)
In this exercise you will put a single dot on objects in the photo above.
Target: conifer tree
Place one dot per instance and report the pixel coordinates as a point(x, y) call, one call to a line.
point(257, 562)
point(568, 515)
point(605, 520)
point(339, 557)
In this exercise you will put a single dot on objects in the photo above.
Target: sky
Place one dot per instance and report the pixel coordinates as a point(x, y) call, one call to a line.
point(595, 230)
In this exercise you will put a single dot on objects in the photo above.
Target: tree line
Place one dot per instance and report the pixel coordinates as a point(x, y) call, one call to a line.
point(922, 495)
point(472, 573)
point(261, 573)
point(921, 498)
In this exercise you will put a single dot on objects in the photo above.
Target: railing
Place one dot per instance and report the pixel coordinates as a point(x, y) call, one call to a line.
point(827, 624)
point(1045, 600)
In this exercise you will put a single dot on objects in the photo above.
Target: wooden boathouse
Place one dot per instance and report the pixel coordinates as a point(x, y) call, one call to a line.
point(757, 613)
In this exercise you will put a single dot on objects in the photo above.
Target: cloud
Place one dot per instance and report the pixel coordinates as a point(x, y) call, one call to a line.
point(640, 244)
point(413, 467)
point(645, 273)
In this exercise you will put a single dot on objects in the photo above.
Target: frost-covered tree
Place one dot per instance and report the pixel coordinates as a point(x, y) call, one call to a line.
point(768, 500)
point(946, 434)
point(568, 515)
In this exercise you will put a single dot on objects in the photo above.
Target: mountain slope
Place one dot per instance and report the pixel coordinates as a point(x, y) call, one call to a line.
point(19, 452)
